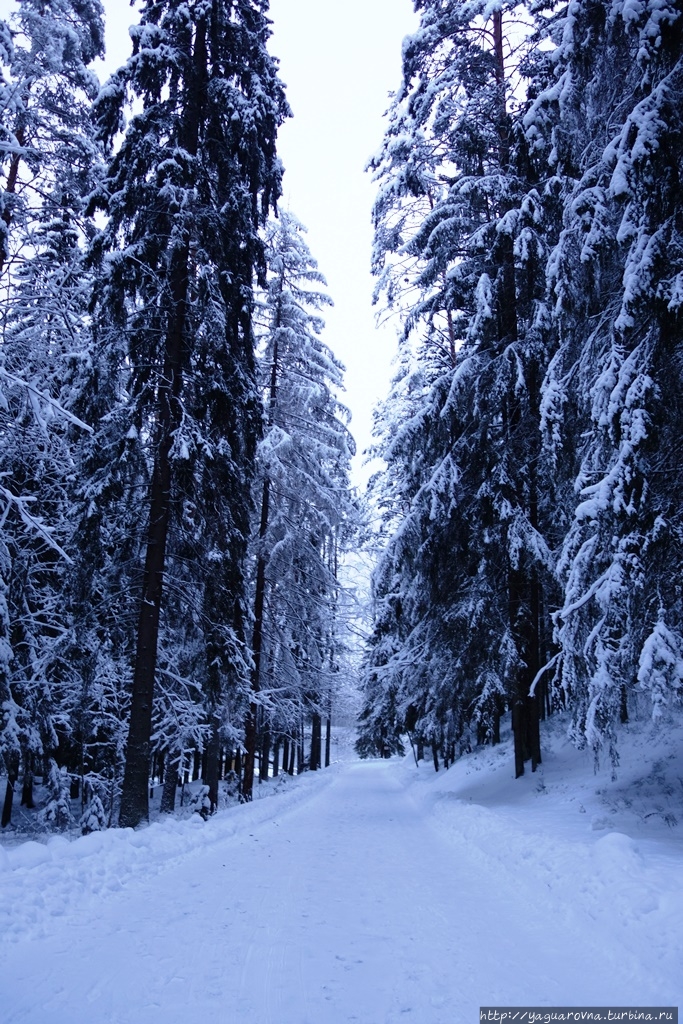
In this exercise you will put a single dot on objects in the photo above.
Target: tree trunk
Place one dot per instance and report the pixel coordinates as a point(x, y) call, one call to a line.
point(260, 593)
point(212, 760)
point(300, 752)
point(316, 742)
point(10, 189)
point(328, 741)
point(495, 731)
point(623, 706)
point(27, 785)
point(12, 764)
point(134, 798)
point(265, 755)
point(170, 784)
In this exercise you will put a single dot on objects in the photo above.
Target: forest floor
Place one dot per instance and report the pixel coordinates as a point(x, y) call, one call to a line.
point(371, 892)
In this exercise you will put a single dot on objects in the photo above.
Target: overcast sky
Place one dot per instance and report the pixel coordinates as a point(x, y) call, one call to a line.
point(339, 61)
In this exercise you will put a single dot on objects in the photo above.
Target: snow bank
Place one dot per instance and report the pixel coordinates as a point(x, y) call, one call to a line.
point(605, 853)
point(40, 882)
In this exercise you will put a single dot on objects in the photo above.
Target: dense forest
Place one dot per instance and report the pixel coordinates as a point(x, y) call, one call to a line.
point(175, 458)
point(175, 500)
point(529, 230)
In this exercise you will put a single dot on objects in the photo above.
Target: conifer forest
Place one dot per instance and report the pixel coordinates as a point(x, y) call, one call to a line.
point(177, 506)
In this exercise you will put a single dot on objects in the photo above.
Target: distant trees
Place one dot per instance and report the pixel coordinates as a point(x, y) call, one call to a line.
point(534, 256)
point(306, 512)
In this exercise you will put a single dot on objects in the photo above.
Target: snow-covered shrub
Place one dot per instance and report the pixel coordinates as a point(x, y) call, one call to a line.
point(57, 812)
point(660, 671)
point(202, 803)
point(94, 817)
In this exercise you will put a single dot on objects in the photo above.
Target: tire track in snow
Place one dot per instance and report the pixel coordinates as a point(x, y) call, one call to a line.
point(346, 906)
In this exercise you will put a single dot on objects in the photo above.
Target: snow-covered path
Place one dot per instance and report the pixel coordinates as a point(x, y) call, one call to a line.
point(346, 905)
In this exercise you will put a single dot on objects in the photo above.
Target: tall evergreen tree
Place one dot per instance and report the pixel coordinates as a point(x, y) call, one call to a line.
point(609, 124)
point(194, 175)
point(305, 507)
point(459, 245)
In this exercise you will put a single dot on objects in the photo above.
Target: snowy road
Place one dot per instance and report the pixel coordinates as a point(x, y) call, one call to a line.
point(347, 905)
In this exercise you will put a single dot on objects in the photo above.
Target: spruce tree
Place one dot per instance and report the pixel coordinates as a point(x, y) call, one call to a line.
point(609, 124)
point(460, 249)
point(305, 509)
point(194, 175)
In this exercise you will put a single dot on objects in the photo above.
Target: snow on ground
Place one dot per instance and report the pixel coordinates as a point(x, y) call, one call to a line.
point(372, 892)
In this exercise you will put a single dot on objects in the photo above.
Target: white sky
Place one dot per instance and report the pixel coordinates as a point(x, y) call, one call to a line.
point(339, 60)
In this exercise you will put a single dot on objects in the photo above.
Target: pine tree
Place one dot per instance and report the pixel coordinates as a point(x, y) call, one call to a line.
point(304, 500)
point(610, 126)
point(460, 247)
point(195, 173)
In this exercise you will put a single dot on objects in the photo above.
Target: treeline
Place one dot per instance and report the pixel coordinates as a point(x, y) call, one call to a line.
point(174, 459)
point(529, 230)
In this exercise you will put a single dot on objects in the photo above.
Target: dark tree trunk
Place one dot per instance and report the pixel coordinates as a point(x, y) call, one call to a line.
point(27, 784)
point(300, 752)
point(265, 755)
point(260, 594)
point(328, 741)
point(435, 756)
point(623, 706)
point(316, 742)
point(285, 754)
point(251, 731)
point(12, 764)
point(249, 759)
point(134, 805)
point(212, 762)
point(499, 57)
point(525, 708)
point(292, 755)
point(170, 784)
point(276, 754)
point(495, 727)
point(10, 189)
